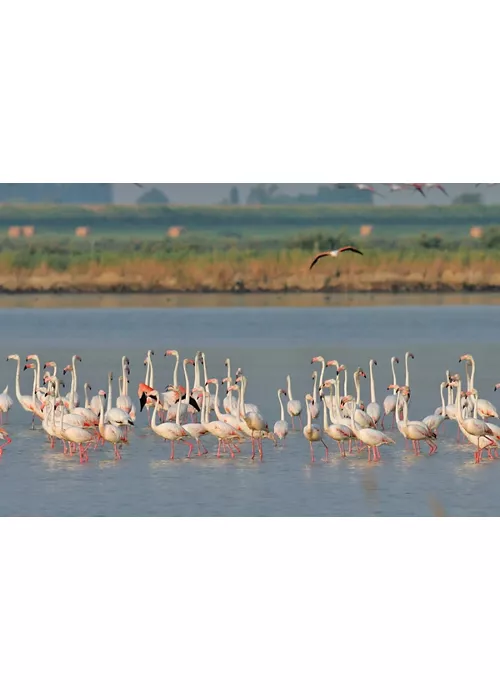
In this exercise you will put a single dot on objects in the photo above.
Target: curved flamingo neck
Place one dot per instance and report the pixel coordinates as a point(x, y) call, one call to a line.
point(281, 405)
point(110, 392)
point(394, 380)
point(372, 384)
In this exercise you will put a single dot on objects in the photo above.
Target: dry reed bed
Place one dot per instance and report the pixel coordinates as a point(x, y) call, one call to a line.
point(274, 272)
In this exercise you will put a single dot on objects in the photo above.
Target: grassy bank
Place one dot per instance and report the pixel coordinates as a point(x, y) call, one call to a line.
point(63, 217)
point(271, 271)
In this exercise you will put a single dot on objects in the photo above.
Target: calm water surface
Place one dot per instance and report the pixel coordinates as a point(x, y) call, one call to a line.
point(268, 342)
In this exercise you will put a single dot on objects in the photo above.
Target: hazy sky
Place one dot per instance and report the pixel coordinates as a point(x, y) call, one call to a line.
point(213, 193)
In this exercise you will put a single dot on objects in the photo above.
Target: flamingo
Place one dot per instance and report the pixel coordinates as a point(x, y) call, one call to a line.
point(371, 437)
point(434, 421)
point(113, 434)
point(313, 432)
point(373, 409)
point(115, 415)
point(391, 400)
point(4, 435)
point(321, 359)
point(314, 405)
point(281, 426)
point(293, 407)
point(414, 430)
point(418, 187)
point(336, 431)
point(174, 432)
point(479, 438)
point(224, 432)
point(334, 254)
point(6, 403)
point(484, 408)
point(196, 430)
point(124, 401)
point(72, 396)
point(436, 186)
point(25, 400)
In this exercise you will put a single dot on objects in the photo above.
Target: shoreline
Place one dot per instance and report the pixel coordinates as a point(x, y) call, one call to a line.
point(107, 300)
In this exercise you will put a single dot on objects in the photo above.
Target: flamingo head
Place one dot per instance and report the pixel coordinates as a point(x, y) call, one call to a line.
point(188, 361)
point(211, 381)
point(317, 359)
point(360, 372)
point(77, 357)
point(69, 368)
point(396, 360)
point(13, 357)
point(374, 362)
point(171, 352)
point(410, 354)
point(102, 393)
point(393, 386)
point(233, 387)
point(465, 358)
point(308, 397)
point(332, 363)
point(29, 365)
point(49, 364)
point(497, 386)
point(341, 368)
point(30, 357)
point(283, 391)
point(328, 383)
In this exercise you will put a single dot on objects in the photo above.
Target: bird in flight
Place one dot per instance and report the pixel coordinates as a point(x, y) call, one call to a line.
point(436, 186)
point(334, 254)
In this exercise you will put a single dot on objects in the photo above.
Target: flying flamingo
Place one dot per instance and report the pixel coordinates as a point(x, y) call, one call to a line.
point(418, 187)
point(436, 186)
point(334, 254)
point(368, 188)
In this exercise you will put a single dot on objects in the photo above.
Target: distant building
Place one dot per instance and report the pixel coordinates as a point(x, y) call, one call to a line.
point(54, 193)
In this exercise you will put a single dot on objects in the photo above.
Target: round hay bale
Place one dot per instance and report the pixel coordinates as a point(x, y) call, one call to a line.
point(28, 231)
point(82, 231)
point(14, 231)
point(175, 231)
point(476, 232)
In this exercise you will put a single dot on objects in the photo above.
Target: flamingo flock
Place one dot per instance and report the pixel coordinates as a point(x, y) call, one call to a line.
point(191, 413)
point(420, 187)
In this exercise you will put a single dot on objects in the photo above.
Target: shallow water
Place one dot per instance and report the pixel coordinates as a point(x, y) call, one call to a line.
point(268, 343)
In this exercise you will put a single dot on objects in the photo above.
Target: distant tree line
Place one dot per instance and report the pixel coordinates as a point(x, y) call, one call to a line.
point(57, 193)
point(325, 194)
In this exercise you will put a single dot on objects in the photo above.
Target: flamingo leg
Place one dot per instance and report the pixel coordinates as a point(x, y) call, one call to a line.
point(311, 450)
point(191, 446)
point(326, 450)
